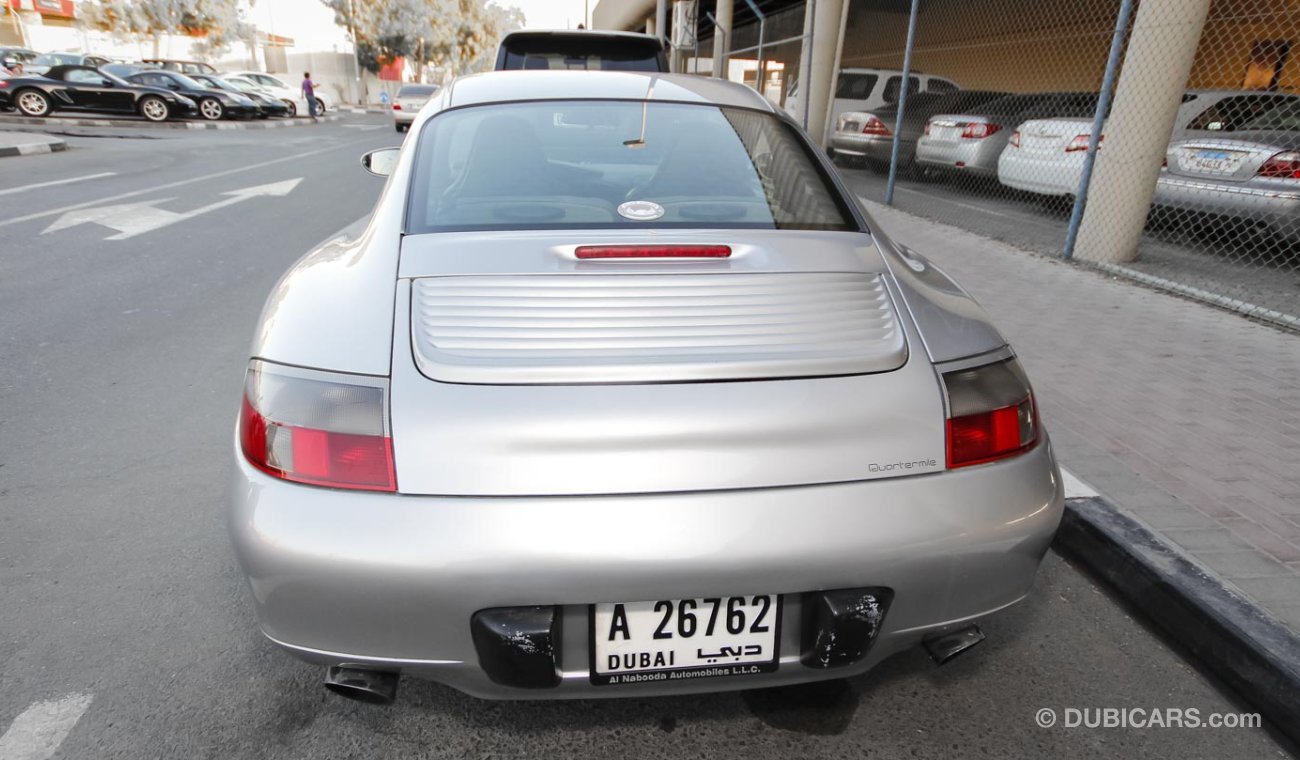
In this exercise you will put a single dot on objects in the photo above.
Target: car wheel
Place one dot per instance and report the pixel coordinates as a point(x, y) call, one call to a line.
point(211, 109)
point(33, 103)
point(293, 108)
point(154, 109)
point(400, 127)
point(320, 107)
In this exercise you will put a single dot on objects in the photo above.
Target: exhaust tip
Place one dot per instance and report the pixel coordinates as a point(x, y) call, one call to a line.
point(943, 647)
point(374, 687)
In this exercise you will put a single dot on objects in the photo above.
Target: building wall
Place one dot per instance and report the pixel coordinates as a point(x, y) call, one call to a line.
point(1030, 45)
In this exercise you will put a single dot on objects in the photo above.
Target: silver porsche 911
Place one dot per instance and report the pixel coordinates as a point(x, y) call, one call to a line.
point(620, 393)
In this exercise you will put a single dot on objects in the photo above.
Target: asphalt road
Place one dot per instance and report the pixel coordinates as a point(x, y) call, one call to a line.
point(125, 629)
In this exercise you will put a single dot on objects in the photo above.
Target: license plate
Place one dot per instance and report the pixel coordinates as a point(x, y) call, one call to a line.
point(945, 133)
point(1215, 161)
point(668, 640)
point(851, 126)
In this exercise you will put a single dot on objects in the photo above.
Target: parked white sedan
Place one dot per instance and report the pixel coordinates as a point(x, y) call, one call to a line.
point(1046, 156)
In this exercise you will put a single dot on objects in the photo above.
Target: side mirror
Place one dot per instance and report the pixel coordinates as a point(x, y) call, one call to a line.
point(380, 162)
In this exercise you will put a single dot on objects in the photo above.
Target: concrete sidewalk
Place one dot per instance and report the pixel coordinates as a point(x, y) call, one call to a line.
point(20, 144)
point(1186, 416)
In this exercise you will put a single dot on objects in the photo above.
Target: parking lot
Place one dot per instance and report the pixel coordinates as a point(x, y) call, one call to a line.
point(133, 270)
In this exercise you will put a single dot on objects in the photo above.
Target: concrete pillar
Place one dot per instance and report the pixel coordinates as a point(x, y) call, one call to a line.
point(820, 56)
point(650, 26)
point(1161, 49)
point(661, 21)
point(724, 14)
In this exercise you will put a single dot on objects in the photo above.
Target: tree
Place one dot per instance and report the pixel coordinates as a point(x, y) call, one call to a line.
point(217, 22)
point(455, 34)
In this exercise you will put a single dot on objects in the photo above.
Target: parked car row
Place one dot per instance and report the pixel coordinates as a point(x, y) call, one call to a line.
point(156, 89)
point(1232, 153)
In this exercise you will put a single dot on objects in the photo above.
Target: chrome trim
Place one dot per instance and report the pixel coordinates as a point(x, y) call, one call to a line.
point(1230, 189)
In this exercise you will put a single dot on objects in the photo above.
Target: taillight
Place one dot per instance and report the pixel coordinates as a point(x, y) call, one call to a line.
point(1080, 142)
point(1284, 165)
point(926, 131)
point(653, 251)
point(978, 131)
point(991, 413)
point(1014, 140)
point(317, 428)
point(874, 126)
point(397, 106)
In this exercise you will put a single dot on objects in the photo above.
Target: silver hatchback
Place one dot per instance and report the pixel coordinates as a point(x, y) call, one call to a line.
point(621, 394)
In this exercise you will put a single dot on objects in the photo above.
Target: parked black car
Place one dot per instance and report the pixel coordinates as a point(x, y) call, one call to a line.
point(81, 88)
point(214, 104)
point(583, 50)
point(269, 105)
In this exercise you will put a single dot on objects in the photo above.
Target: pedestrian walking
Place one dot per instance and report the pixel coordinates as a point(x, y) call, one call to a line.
point(309, 93)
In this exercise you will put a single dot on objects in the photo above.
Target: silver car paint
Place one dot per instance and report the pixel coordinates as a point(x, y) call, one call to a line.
point(1272, 202)
point(390, 580)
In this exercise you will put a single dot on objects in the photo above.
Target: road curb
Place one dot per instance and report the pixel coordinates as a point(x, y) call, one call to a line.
point(10, 121)
point(32, 148)
point(1238, 641)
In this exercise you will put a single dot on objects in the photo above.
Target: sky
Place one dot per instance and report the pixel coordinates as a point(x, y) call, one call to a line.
point(311, 24)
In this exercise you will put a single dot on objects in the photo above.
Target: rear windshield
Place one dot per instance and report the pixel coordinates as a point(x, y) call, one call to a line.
point(1239, 112)
point(580, 53)
point(1284, 117)
point(57, 59)
point(417, 90)
point(571, 165)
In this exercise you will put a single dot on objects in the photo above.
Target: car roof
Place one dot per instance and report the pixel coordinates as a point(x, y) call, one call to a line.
point(510, 86)
point(578, 33)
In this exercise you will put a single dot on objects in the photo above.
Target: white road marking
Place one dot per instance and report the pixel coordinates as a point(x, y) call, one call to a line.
point(52, 183)
point(38, 731)
point(362, 127)
point(131, 219)
point(1075, 488)
point(178, 183)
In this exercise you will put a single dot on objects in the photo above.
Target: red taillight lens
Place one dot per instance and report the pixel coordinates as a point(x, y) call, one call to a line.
point(1285, 165)
point(1080, 142)
point(978, 131)
point(874, 126)
point(1014, 141)
point(653, 251)
point(397, 106)
point(991, 414)
point(318, 429)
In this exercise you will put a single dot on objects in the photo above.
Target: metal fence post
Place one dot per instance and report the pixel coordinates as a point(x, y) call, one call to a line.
point(902, 103)
point(762, 23)
point(1107, 92)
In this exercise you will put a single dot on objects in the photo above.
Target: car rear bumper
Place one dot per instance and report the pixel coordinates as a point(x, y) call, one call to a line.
point(391, 581)
point(404, 117)
point(875, 147)
point(1277, 207)
point(967, 156)
point(1052, 175)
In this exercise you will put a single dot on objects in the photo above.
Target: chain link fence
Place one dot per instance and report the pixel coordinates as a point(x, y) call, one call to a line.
point(1185, 175)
